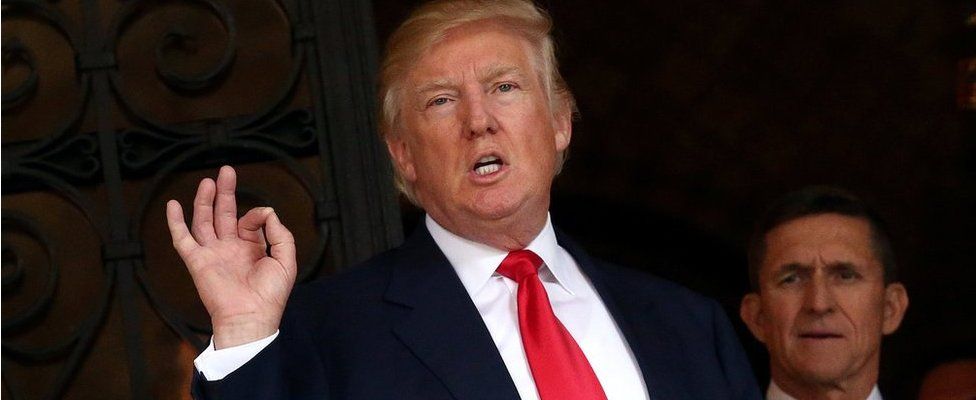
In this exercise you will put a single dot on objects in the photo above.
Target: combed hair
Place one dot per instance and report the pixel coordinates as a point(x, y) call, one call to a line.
point(816, 200)
point(429, 24)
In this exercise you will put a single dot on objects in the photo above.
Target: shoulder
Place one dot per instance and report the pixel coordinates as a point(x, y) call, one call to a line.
point(645, 284)
point(652, 294)
point(631, 282)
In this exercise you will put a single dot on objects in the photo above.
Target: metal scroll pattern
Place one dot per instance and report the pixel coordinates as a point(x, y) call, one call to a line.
point(68, 161)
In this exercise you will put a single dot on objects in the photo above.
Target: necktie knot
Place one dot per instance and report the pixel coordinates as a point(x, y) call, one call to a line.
point(520, 264)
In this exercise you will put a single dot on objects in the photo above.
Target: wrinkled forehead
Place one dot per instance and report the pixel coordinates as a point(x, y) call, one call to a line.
point(822, 239)
point(463, 48)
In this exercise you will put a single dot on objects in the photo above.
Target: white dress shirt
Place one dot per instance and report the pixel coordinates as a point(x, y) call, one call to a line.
point(775, 393)
point(573, 298)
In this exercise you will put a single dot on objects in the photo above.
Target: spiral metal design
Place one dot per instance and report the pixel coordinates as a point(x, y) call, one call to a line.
point(15, 322)
point(15, 53)
point(74, 344)
point(147, 147)
point(178, 36)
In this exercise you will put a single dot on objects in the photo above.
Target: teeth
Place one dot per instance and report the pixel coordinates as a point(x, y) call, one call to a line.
point(487, 159)
point(487, 169)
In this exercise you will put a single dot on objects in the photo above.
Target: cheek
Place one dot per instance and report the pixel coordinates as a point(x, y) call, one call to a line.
point(869, 319)
point(863, 307)
point(779, 318)
point(438, 143)
point(543, 141)
point(429, 164)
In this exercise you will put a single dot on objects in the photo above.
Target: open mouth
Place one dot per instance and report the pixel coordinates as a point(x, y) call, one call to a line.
point(487, 165)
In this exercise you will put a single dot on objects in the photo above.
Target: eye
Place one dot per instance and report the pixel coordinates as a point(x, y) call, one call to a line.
point(438, 101)
point(848, 275)
point(506, 87)
point(789, 279)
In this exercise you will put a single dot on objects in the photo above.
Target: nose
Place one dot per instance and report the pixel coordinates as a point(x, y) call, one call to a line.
point(818, 297)
point(479, 120)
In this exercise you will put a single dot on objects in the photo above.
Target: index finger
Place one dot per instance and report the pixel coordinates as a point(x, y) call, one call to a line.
point(183, 242)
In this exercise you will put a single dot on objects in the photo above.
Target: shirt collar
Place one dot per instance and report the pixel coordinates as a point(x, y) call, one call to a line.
point(475, 263)
point(775, 393)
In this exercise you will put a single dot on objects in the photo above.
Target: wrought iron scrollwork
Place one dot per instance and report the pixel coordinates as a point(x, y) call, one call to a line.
point(142, 147)
point(13, 270)
point(132, 151)
point(73, 345)
point(145, 149)
point(207, 79)
point(13, 323)
point(181, 36)
point(15, 53)
point(44, 12)
point(292, 130)
point(75, 158)
point(20, 52)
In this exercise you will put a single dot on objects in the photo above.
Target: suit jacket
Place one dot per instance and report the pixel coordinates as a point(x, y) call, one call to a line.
point(402, 326)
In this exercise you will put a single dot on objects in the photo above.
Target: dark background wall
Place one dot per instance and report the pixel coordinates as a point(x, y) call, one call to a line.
point(696, 114)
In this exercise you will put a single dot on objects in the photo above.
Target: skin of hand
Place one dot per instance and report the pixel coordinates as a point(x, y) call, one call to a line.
point(243, 269)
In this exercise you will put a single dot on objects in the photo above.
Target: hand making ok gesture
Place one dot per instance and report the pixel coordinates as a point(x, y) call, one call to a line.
point(243, 287)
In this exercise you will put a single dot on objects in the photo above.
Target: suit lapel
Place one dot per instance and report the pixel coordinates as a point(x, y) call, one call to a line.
point(640, 321)
point(444, 329)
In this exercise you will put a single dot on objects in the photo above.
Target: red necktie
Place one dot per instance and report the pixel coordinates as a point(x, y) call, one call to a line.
point(558, 365)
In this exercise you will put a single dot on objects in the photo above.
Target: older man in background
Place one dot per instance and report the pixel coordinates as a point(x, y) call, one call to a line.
point(824, 294)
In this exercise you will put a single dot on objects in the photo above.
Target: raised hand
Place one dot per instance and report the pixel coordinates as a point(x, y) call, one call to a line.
point(243, 288)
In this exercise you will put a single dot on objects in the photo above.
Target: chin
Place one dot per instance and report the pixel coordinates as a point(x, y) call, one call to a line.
point(499, 204)
point(823, 371)
point(491, 211)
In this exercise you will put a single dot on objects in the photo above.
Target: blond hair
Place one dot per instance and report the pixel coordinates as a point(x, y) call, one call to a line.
point(428, 25)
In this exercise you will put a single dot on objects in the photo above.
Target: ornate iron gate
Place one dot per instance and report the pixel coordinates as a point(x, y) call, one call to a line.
point(112, 107)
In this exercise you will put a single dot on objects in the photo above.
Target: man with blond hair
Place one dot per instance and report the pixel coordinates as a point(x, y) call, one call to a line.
point(485, 300)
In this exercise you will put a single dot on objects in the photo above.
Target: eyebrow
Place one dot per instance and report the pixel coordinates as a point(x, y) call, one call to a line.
point(791, 267)
point(496, 71)
point(492, 73)
point(834, 266)
point(436, 84)
point(842, 265)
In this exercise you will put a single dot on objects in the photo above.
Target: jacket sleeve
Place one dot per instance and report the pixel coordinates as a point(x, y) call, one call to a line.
point(734, 363)
point(290, 367)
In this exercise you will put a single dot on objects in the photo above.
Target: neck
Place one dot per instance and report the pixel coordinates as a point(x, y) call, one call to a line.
point(505, 234)
point(852, 388)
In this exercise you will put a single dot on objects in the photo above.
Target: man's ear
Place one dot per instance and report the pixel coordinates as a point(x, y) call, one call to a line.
point(402, 157)
point(563, 125)
point(895, 304)
point(750, 310)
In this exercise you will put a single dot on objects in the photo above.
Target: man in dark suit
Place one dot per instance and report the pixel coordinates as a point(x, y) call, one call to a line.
point(486, 300)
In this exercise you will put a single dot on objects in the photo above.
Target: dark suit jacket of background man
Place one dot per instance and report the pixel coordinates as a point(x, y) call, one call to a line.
point(402, 326)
